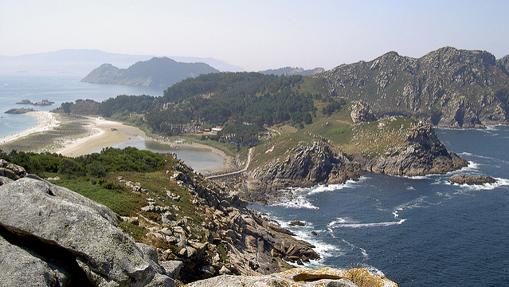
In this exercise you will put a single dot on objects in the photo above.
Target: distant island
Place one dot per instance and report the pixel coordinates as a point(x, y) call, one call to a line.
point(40, 103)
point(157, 73)
point(19, 111)
point(292, 71)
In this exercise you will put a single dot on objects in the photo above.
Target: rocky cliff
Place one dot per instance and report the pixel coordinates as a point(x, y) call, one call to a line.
point(305, 165)
point(447, 87)
point(421, 154)
point(410, 151)
point(157, 73)
point(51, 236)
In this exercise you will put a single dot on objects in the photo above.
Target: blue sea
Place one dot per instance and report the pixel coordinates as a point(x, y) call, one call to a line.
point(57, 89)
point(418, 231)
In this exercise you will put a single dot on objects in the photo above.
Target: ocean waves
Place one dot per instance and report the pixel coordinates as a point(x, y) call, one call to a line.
point(342, 222)
point(300, 197)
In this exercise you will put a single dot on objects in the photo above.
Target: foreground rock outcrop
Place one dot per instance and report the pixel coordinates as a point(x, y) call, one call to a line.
point(472, 179)
point(68, 240)
point(328, 277)
point(238, 241)
point(421, 154)
point(64, 239)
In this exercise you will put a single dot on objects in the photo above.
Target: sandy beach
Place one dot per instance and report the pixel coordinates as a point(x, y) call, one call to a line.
point(45, 121)
point(78, 135)
point(102, 133)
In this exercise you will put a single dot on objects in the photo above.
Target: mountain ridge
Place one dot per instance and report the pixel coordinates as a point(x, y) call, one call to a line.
point(158, 72)
point(448, 87)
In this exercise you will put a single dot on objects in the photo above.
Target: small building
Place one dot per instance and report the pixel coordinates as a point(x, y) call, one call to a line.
point(217, 129)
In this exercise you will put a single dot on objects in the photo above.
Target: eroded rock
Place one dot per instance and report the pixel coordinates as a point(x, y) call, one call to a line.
point(329, 277)
point(472, 179)
point(56, 218)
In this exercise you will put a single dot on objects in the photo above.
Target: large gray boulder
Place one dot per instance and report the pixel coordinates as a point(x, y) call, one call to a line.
point(48, 217)
point(20, 268)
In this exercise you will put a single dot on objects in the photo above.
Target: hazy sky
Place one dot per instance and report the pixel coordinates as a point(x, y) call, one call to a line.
point(255, 34)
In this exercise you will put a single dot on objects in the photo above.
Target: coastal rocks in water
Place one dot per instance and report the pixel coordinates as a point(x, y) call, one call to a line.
point(297, 223)
point(329, 277)
point(361, 112)
point(472, 179)
point(78, 238)
point(304, 165)
point(421, 154)
point(19, 111)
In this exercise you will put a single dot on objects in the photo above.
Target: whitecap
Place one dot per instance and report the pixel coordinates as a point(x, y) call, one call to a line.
point(325, 250)
point(487, 186)
point(341, 220)
point(371, 224)
point(335, 187)
point(346, 223)
point(415, 176)
point(416, 203)
point(297, 202)
point(363, 251)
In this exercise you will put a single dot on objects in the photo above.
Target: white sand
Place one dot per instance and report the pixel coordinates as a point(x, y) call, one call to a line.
point(101, 134)
point(45, 121)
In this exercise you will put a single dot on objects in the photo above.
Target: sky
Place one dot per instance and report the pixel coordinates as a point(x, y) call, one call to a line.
point(257, 34)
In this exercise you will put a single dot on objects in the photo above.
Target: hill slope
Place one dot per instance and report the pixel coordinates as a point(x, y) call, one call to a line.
point(291, 71)
point(449, 87)
point(157, 73)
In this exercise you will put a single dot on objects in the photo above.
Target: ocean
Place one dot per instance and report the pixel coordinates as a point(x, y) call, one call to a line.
point(419, 231)
point(57, 89)
point(65, 89)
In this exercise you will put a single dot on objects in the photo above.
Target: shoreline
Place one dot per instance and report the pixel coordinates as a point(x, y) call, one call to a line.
point(46, 121)
point(104, 133)
point(56, 133)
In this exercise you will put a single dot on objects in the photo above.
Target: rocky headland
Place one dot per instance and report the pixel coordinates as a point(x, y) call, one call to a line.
point(52, 236)
point(417, 152)
point(305, 165)
point(421, 154)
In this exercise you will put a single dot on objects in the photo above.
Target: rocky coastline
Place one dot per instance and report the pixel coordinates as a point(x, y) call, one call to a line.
point(39, 220)
point(319, 163)
point(422, 154)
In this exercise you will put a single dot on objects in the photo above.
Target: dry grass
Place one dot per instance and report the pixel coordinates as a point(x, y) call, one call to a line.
point(363, 278)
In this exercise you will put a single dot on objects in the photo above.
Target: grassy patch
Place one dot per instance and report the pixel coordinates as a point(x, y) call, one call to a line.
point(369, 139)
point(136, 231)
point(120, 201)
